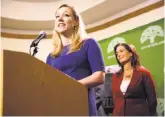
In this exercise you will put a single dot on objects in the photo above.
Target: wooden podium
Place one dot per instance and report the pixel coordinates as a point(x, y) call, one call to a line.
point(33, 88)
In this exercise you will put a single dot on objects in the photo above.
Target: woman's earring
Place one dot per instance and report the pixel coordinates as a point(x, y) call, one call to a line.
point(75, 27)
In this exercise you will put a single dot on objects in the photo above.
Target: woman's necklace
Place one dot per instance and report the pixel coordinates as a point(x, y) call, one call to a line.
point(128, 74)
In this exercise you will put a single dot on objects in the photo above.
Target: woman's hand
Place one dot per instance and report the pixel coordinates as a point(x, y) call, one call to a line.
point(93, 80)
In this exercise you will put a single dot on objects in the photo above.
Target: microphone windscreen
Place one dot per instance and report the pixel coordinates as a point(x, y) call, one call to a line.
point(43, 33)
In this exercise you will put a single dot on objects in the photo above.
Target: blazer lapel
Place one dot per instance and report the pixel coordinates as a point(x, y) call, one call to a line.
point(133, 81)
point(120, 79)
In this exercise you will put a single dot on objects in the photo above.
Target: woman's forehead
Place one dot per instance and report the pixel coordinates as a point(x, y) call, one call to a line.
point(120, 47)
point(64, 10)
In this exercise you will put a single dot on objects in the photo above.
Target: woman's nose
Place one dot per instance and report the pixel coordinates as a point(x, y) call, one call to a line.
point(118, 55)
point(60, 18)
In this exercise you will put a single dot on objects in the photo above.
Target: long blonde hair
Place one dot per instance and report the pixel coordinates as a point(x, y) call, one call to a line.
point(77, 37)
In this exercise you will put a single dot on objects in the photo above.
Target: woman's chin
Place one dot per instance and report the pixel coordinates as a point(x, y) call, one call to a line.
point(124, 62)
point(61, 31)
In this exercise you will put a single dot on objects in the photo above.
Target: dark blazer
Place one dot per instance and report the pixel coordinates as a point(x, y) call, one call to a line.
point(140, 98)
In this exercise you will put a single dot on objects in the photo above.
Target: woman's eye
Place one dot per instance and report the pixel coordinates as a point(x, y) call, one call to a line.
point(57, 16)
point(67, 15)
point(121, 50)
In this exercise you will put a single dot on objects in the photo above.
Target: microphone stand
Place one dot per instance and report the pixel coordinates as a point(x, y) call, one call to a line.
point(35, 49)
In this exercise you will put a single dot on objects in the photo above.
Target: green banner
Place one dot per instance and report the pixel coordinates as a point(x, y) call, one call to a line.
point(149, 42)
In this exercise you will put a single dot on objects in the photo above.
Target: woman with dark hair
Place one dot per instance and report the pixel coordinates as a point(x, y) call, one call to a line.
point(133, 87)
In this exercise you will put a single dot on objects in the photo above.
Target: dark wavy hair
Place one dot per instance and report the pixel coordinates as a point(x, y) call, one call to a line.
point(135, 61)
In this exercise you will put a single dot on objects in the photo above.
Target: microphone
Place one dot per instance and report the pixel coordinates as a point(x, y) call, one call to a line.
point(38, 39)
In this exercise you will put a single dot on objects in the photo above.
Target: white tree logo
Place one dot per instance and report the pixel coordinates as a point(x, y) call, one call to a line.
point(114, 42)
point(151, 32)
